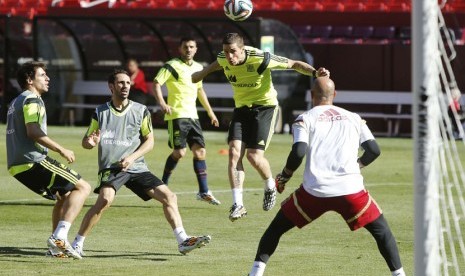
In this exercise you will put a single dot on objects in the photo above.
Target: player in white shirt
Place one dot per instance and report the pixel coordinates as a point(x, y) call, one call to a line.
point(330, 137)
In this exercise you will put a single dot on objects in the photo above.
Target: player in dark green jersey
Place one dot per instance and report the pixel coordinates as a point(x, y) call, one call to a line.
point(248, 70)
point(181, 114)
point(122, 130)
point(27, 145)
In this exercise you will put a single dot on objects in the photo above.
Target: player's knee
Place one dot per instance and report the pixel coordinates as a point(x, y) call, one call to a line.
point(200, 153)
point(253, 158)
point(84, 187)
point(170, 199)
point(179, 153)
point(234, 154)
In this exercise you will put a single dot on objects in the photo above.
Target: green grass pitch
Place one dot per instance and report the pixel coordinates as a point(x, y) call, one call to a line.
point(133, 237)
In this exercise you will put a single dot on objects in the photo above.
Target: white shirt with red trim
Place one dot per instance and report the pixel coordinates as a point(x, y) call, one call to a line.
point(334, 136)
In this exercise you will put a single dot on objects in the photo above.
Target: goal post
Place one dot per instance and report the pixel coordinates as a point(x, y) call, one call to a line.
point(425, 86)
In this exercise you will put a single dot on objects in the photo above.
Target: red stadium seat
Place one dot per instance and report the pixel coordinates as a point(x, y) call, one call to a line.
point(333, 6)
point(376, 7)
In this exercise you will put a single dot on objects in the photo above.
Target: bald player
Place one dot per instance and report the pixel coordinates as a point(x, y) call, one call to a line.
point(329, 184)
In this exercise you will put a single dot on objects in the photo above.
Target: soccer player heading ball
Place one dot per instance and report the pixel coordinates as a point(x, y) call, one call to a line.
point(248, 70)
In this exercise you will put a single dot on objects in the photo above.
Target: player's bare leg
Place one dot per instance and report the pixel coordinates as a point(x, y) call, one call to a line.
point(93, 215)
point(236, 178)
point(63, 215)
point(170, 207)
point(257, 159)
point(200, 169)
point(57, 212)
point(73, 202)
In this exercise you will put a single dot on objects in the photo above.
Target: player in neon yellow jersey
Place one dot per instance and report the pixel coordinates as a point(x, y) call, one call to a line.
point(181, 114)
point(248, 70)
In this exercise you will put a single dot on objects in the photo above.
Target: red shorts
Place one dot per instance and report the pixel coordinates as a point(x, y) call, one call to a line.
point(357, 209)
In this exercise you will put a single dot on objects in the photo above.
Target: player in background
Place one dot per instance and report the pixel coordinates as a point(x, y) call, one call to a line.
point(139, 91)
point(330, 137)
point(122, 130)
point(248, 70)
point(181, 114)
point(27, 145)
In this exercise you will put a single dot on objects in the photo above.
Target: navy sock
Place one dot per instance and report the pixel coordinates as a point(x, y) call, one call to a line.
point(200, 169)
point(170, 165)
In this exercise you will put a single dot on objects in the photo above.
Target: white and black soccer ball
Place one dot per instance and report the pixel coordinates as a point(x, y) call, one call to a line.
point(238, 10)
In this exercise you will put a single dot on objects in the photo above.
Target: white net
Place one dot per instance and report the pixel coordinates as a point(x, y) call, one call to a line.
point(452, 173)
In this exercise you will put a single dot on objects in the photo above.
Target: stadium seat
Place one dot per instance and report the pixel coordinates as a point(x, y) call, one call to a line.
point(340, 33)
point(333, 6)
point(319, 34)
point(361, 33)
point(376, 7)
point(302, 30)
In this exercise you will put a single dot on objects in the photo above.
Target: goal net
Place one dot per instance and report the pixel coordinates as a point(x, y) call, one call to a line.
point(439, 147)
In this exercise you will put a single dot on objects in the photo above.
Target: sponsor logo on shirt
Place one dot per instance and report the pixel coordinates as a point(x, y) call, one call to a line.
point(331, 115)
point(232, 78)
point(108, 138)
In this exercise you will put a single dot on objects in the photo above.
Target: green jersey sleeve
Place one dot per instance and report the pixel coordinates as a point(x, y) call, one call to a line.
point(93, 125)
point(165, 73)
point(31, 110)
point(278, 62)
point(146, 127)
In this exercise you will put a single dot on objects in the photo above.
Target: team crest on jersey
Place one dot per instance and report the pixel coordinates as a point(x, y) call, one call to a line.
point(250, 68)
point(232, 78)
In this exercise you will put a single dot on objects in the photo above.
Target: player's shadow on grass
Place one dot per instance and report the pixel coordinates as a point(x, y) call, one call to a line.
point(149, 256)
point(14, 252)
point(20, 252)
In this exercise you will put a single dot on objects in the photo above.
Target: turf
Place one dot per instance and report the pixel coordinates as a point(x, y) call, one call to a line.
point(133, 237)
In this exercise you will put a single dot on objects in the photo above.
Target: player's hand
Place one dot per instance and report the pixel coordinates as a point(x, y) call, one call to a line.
point(166, 109)
point(94, 138)
point(68, 155)
point(214, 120)
point(281, 180)
point(322, 72)
point(126, 162)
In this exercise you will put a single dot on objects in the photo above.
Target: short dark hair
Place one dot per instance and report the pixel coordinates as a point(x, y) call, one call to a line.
point(28, 71)
point(112, 76)
point(186, 38)
point(231, 38)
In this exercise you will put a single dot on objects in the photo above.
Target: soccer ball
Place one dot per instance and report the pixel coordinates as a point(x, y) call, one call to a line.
point(238, 10)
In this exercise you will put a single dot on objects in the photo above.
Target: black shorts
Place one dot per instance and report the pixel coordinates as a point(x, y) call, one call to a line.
point(184, 130)
point(138, 183)
point(253, 125)
point(48, 177)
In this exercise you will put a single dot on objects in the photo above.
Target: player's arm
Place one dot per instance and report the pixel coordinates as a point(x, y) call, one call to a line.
point(146, 132)
point(201, 95)
point(32, 110)
point(200, 75)
point(371, 151)
point(35, 133)
point(306, 69)
point(159, 97)
point(296, 156)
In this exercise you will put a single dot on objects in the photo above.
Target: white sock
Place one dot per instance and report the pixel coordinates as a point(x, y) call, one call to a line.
point(237, 196)
point(180, 234)
point(269, 183)
point(258, 269)
point(61, 232)
point(399, 272)
point(79, 240)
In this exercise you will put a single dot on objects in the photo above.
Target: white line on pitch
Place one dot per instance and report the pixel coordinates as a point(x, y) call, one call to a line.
point(192, 192)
